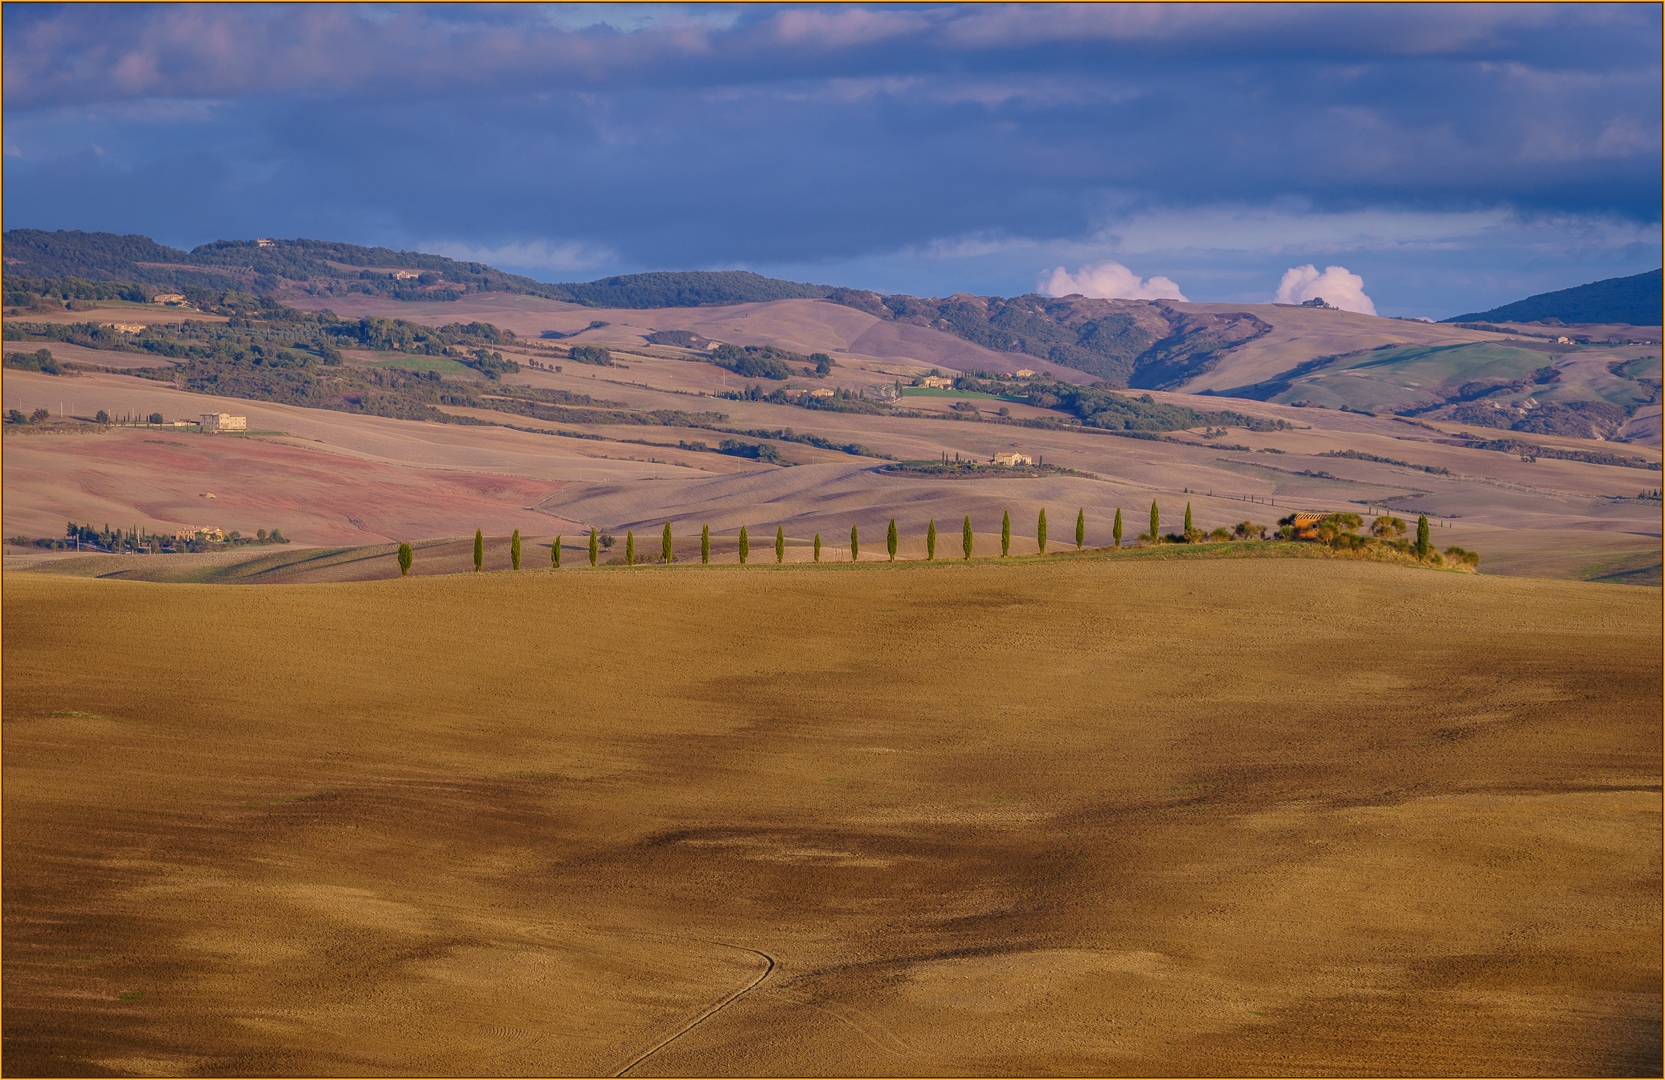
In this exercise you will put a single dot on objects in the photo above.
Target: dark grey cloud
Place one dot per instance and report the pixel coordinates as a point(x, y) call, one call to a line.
point(801, 135)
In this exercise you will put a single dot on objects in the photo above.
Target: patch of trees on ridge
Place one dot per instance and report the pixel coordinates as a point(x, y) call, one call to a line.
point(769, 362)
point(1631, 300)
point(1127, 343)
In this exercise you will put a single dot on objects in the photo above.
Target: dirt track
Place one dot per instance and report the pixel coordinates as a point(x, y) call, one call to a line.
point(1245, 817)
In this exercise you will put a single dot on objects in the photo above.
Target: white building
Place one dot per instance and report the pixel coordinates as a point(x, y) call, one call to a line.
point(1013, 458)
point(224, 422)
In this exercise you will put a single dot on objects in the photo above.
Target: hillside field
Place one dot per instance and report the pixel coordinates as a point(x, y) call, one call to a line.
point(1087, 816)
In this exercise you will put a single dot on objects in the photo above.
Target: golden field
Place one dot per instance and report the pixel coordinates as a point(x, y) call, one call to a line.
point(1137, 816)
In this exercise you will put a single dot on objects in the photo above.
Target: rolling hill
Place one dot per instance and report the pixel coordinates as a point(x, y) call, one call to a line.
point(1627, 300)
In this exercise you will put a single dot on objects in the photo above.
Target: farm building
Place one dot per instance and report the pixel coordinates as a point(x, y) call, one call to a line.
point(937, 382)
point(224, 422)
point(1013, 458)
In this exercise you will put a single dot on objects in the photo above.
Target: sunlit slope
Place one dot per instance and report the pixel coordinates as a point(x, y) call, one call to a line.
point(1128, 817)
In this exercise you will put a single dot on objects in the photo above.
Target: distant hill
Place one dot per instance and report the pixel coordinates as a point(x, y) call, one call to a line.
point(1633, 300)
point(323, 267)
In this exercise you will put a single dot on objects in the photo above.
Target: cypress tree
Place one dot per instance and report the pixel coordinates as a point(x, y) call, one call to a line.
point(1188, 521)
point(1005, 533)
point(1080, 527)
point(965, 536)
point(593, 547)
point(404, 559)
point(1155, 524)
point(745, 545)
point(555, 554)
point(890, 540)
point(1040, 531)
point(630, 547)
point(817, 547)
point(705, 543)
point(514, 550)
point(780, 545)
point(855, 544)
point(1116, 529)
point(1422, 545)
point(665, 551)
point(479, 551)
point(931, 541)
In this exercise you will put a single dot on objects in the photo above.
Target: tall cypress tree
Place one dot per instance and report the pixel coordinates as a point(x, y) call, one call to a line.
point(855, 545)
point(1080, 528)
point(745, 545)
point(1155, 524)
point(965, 536)
point(931, 541)
point(665, 551)
point(1422, 544)
point(630, 547)
point(705, 543)
point(1040, 532)
point(817, 547)
point(1188, 529)
point(514, 550)
point(404, 559)
point(479, 551)
point(890, 540)
point(593, 547)
point(555, 554)
point(1116, 529)
point(1005, 533)
point(780, 545)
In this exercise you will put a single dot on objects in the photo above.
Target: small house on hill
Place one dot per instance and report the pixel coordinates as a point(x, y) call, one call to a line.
point(1013, 458)
point(224, 422)
point(937, 382)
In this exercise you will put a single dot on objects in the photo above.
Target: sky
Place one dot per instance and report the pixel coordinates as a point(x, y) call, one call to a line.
point(1419, 161)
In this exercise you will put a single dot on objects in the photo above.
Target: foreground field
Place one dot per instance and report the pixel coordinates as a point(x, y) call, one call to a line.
point(1121, 817)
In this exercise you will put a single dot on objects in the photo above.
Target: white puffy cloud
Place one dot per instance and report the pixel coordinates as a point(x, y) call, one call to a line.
point(1110, 281)
point(1338, 286)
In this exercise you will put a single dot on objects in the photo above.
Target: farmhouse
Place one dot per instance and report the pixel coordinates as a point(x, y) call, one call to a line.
point(937, 382)
point(263, 241)
point(213, 533)
point(821, 391)
point(1025, 373)
point(224, 422)
point(171, 299)
point(1013, 458)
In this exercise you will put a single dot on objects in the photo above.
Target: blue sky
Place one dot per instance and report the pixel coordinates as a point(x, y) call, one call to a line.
point(1451, 157)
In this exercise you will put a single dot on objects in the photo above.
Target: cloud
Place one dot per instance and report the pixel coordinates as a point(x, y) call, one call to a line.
point(1110, 281)
point(1338, 286)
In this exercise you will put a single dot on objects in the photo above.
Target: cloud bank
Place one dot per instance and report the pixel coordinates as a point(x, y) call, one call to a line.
point(1110, 281)
point(1338, 286)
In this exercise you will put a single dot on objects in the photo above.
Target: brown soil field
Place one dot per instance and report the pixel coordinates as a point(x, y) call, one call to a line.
point(1084, 816)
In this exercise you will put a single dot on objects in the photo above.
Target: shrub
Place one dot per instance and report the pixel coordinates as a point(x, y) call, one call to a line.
point(156, 418)
point(1040, 531)
point(514, 550)
point(1472, 558)
point(479, 550)
point(101, 417)
point(780, 545)
point(965, 536)
point(1222, 533)
point(46, 414)
point(931, 541)
point(15, 416)
point(1249, 530)
point(705, 543)
point(405, 557)
point(745, 545)
point(1005, 533)
point(590, 354)
point(1387, 527)
point(665, 551)
point(890, 539)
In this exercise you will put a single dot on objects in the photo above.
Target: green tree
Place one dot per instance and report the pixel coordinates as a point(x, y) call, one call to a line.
point(555, 554)
point(817, 547)
point(1116, 529)
point(593, 547)
point(965, 536)
point(404, 559)
point(931, 540)
point(479, 551)
point(1188, 529)
point(1422, 544)
point(665, 550)
point(745, 545)
point(630, 547)
point(514, 550)
point(1155, 524)
point(780, 545)
point(855, 544)
point(705, 543)
point(1005, 533)
point(1080, 528)
point(1040, 532)
point(890, 540)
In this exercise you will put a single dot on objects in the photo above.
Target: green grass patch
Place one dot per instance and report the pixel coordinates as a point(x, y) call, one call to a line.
point(944, 392)
point(441, 364)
